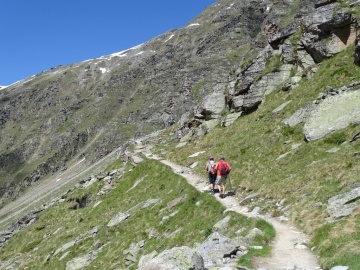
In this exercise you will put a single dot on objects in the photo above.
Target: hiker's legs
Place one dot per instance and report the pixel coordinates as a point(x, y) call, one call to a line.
point(224, 185)
point(218, 178)
point(222, 182)
point(212, 182)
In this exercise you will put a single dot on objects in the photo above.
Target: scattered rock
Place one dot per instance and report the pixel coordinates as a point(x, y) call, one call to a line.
point(196, 154)
point(213, 249)
point(340, 268)
point(192, 166)
point(118, 218)
point(222, 225)
point(178, 258)
point(343, 204)
point(176, 201)
point(281, 107)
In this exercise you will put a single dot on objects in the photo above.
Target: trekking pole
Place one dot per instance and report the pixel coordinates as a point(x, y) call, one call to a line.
point(231, 191)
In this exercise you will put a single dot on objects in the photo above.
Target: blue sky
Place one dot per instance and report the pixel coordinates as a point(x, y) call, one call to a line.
point(39, 34)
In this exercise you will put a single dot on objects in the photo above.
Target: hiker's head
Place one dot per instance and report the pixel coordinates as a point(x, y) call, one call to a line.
point(211, 158)
point(222, 158)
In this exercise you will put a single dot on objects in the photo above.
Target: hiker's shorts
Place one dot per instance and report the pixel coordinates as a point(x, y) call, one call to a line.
point(221, 179)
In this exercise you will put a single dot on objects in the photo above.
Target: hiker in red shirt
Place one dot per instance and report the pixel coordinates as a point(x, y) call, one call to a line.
point(223, 169)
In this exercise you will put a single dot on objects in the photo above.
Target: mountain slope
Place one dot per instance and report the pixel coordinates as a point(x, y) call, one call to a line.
point(86, 110)
point(259, 68)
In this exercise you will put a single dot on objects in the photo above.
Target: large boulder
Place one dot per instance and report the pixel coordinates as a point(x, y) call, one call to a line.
point(178, 258)
point(301, 115)
point(327, 31)
point(343, 204)
point(334, 113)
point(213, 106)
point(214, 248)
point(207, 126)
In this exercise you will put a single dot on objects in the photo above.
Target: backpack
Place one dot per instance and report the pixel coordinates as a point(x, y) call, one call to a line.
point(224, 168)
point(211, 167)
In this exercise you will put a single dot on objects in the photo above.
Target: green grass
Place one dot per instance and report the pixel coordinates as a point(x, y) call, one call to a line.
point(306, 175)
point(192, 222)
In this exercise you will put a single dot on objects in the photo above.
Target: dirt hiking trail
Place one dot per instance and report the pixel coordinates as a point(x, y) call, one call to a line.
point(287, 251)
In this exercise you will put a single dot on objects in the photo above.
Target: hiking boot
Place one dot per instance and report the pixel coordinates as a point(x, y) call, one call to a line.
point(212, 192)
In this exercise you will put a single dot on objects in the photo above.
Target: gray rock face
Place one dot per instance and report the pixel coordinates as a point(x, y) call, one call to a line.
point(287, 53)
point(221, 226)
point(327, 31)
point(118, 218)
point(265, 86)
point(213, 106)
point(178, 258)
point(334, 113)
point(81, 261)
point(214, 248)
point(321, 15)
point(231, 118)
point(301, 115)
point(343, 204)
point(207, 126)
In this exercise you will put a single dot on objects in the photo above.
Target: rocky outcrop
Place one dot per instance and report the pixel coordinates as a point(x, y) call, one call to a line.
point(343, 205)
point(333, 109)
point(334, 113)
point(178, 258)
point(327, 31)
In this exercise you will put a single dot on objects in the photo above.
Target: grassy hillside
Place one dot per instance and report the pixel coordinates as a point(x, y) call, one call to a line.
point(306, 177)
point(187, 223)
